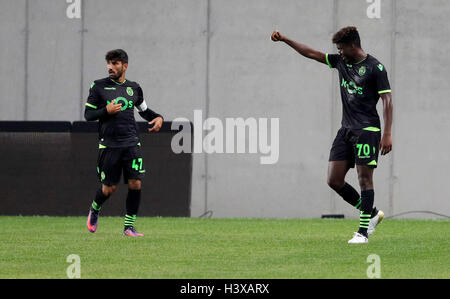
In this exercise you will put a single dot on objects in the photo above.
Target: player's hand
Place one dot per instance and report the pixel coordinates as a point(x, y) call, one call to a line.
point(276, 36)
point(157, 124)
point(113, 108)
point(385, 144)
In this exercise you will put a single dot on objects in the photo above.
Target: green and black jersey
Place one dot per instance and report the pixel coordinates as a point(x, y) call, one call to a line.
point(118, 130)
point(361, 85)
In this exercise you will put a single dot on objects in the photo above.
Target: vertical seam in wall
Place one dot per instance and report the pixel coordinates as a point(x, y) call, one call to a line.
point(26, 45)
point(82, 60)
point(392, 177)
point(207, 98)
point(333, 97)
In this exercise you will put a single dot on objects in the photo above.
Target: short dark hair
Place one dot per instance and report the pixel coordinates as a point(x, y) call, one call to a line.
point(117, 55)
point(347, 35)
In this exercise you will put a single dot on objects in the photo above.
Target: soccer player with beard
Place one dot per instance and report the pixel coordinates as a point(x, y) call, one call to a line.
point(111, 101)
point(363, 80)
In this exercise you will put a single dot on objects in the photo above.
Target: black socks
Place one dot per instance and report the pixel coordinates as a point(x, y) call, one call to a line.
point(350, 195)
point(132, 206)
point(367, 199)
point(100, 198)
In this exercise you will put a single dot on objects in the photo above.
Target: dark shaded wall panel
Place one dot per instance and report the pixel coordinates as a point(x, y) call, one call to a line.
point(54, 173)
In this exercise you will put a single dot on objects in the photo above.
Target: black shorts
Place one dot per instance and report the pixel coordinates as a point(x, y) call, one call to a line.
point(360, 147)
point(112, 161)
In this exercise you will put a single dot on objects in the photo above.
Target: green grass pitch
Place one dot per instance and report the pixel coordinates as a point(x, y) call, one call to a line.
point(194, 248)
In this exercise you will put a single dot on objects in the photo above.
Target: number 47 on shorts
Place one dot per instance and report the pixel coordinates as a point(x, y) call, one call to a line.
point(137, 164)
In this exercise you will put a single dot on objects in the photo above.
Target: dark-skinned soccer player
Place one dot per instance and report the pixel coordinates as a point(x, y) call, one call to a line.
point(363, 81)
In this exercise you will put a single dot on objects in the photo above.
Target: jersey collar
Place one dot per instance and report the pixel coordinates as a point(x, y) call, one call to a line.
point(118, 83)
point(356, 63)
point(367, 56)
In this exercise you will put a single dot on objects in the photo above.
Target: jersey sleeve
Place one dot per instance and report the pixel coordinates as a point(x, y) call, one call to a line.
point(93, 100)
point(332, 60)
point(381, 79)
point(140, 96)
point(145, 112)
point(93, 111)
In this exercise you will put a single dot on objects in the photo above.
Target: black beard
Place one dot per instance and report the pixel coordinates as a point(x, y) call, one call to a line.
point(115, 77)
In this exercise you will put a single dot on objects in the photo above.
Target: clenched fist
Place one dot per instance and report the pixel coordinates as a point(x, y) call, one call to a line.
point(276, 36)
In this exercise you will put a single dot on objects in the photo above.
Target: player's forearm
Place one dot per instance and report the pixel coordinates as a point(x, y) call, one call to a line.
point(149, 114)
point(299, 47)
point(388, 110)
point(146, 113)
point(304, 50)
point(93, 114)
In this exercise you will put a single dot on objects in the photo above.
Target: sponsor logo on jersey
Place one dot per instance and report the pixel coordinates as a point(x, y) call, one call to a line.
point(127, 104)
point(351, 87)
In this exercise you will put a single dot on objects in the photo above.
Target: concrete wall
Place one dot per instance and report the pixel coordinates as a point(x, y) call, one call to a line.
point(216, 56)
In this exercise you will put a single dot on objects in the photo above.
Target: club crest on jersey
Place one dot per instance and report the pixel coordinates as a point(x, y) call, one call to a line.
point(362, 70)
point(130, 91)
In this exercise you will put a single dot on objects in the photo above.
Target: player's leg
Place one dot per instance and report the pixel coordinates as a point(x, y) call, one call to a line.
point(366, 152)
point(108, 170)
point(337, 170)
point(132, 203)
point(366, 157)
point(365, 178)
point(340, 161)
point(103, 193)
point(133, 173)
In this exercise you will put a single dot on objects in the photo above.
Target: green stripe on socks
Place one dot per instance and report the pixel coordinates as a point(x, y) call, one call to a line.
point(358, 204)
point(364, 220)
point(99, 200)
point(129, 220)
point(95, 206)
point(367, 199)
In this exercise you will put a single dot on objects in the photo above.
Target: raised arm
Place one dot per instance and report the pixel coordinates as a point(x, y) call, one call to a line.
point(303, 49)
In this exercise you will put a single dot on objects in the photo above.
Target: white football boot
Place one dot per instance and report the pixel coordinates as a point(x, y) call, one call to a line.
point(358, 239)
point(374, 222)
